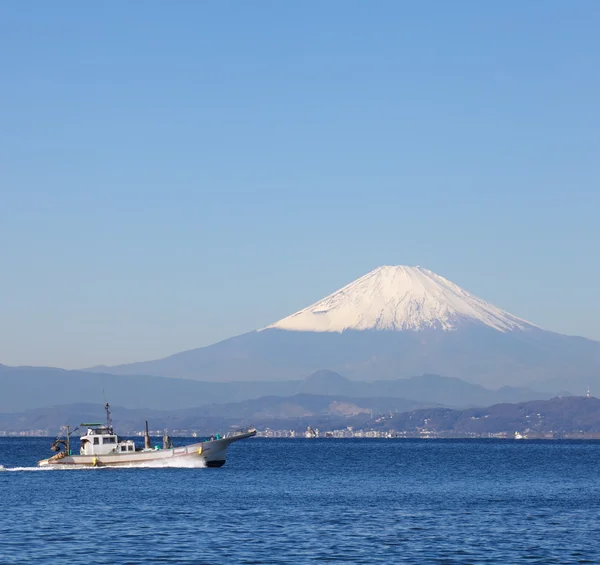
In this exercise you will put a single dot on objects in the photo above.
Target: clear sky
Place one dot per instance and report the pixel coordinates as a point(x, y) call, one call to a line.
point(172, 174)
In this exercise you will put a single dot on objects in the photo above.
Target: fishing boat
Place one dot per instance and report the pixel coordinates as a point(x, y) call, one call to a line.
point(100, 446)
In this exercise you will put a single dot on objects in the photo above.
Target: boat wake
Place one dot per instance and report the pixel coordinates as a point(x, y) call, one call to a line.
point(175, 463)
point(189, 464)
point(13, 469)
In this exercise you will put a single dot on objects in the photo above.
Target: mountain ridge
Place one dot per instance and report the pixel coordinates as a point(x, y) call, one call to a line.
point(540, 418)
point(399, 298)
point(476, 354)
point(29, 387)
point(394, 322)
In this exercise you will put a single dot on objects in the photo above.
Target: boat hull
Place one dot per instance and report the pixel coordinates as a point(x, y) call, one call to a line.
point(208, 453)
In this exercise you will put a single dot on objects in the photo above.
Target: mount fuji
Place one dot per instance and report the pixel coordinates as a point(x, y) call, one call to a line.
point(400, 299)
point(393, 322)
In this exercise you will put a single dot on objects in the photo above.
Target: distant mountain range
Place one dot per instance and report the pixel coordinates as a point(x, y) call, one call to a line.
point(557, 416)
point(297, 411)
point(394, 322)
point(25, 388)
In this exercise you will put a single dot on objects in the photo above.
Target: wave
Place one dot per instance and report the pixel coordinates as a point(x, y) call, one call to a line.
point(8, 469)
point(158, 464)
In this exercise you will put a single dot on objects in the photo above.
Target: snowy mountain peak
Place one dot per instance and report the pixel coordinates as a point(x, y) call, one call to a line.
point(399, 298)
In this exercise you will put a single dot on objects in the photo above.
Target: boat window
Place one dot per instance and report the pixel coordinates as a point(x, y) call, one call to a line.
point(123, 448)
point(96, 440)
point(109, 440)
point(131, 448)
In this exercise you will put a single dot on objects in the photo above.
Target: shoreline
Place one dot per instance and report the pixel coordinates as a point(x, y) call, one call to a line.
point(400, 436)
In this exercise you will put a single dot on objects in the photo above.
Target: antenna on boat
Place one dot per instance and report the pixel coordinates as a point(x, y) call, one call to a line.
point(108, 417)
point(167, 443)
point(146, 437)
point(68, 445)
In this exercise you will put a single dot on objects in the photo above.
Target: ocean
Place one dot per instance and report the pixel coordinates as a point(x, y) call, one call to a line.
point(295, 501)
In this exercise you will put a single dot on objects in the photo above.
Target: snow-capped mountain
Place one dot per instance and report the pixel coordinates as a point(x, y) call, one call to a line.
point(394, 322)
point(399, 298)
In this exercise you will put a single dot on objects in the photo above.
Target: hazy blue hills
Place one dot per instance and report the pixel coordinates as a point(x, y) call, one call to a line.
point(447, 391)
point(274, 411)
point(557, 415)
point(25, 388)
point(473, 352)
point(573, 414)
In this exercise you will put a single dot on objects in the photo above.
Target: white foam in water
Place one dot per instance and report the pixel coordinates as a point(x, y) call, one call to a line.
point(3, 468)
point(173, 464)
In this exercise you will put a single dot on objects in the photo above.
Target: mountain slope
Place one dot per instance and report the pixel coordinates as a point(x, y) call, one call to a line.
point(399, 299)
point(558, 415)
point(480, 355)
point(394, 322)
point(578, 415)
point(25, 388)
point(263, 411)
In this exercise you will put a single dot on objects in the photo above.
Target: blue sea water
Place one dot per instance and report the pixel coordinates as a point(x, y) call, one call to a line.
point(312, 501)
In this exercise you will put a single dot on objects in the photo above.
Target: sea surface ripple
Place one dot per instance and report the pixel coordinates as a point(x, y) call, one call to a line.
point(312, 501)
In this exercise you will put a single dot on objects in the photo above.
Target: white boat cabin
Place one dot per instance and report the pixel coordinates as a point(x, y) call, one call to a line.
point(101, 440)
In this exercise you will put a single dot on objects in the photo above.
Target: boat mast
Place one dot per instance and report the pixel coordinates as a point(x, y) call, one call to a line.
point(146, 437)
point(108, 417)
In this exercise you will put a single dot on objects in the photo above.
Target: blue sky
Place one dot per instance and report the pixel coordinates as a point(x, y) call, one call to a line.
point(174, 175)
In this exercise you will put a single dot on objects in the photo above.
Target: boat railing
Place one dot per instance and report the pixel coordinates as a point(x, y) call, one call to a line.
point(239, 432)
